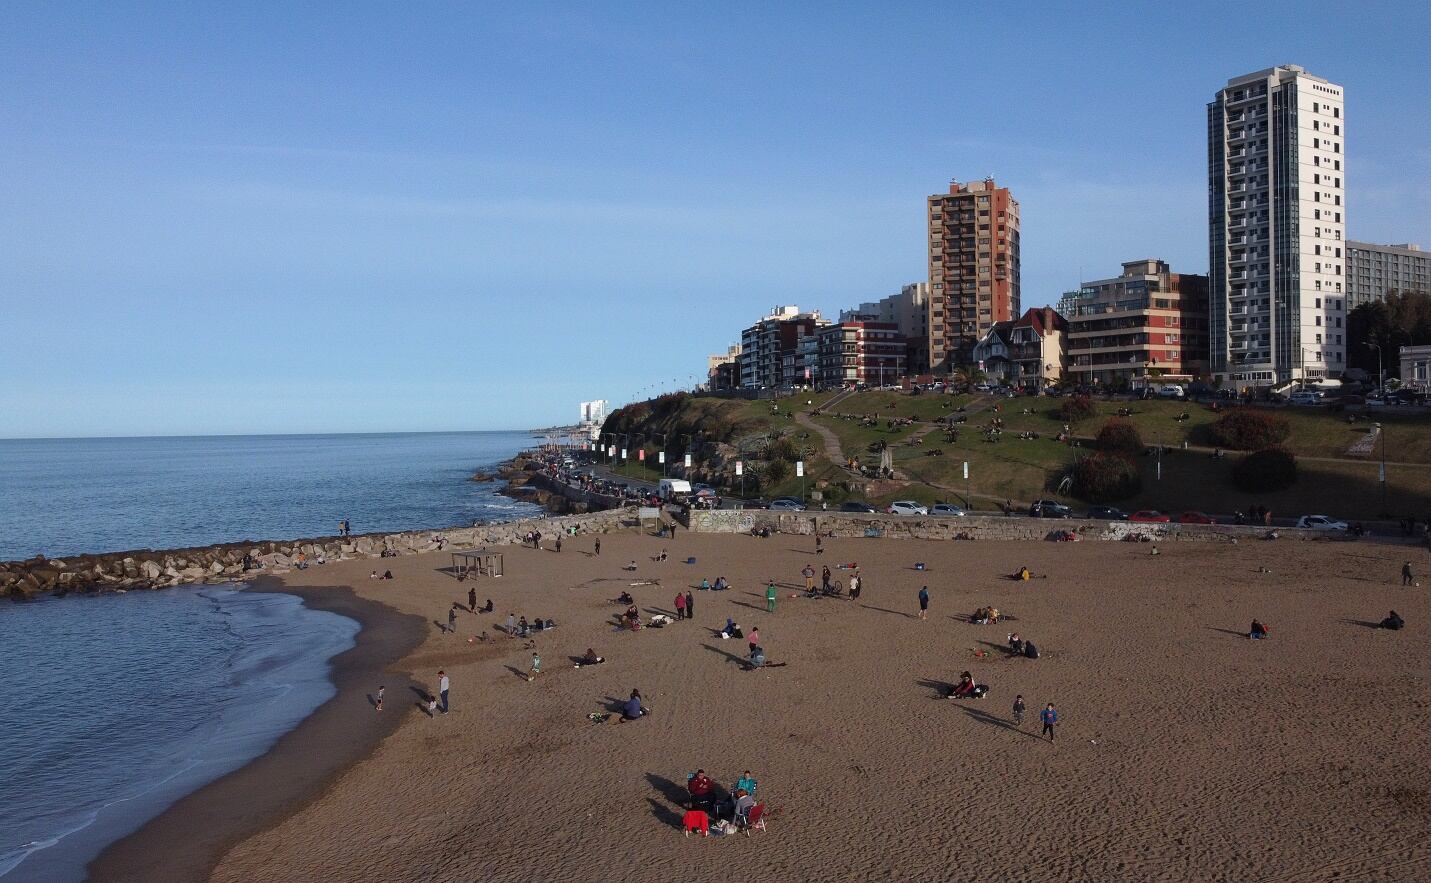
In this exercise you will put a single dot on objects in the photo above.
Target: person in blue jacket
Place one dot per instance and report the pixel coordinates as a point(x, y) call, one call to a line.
point(1049, 716)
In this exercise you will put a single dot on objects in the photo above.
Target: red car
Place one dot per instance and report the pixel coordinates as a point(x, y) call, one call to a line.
point(1149, 516)
point(1196, 518)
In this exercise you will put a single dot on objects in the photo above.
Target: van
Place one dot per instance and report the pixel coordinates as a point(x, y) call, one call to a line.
point(1305, 397)
point(671, 488)
point(1171, 391)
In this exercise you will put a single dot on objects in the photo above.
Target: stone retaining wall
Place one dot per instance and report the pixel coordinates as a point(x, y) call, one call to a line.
point(150, 569)
point(841, 524)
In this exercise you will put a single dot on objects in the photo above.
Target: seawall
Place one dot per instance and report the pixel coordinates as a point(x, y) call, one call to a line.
point(157, 569)
point(994, 527)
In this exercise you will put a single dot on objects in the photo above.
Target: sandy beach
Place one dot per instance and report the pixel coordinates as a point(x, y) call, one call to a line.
point(1184, 750)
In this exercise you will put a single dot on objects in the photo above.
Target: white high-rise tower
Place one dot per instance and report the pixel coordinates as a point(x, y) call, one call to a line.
point(1277, 222)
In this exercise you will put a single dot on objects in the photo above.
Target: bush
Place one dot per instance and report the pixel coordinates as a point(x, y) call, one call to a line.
point(1076, 409)
point(1104, 478)
point(1265, 471)
point(777, 471)
point(1120, 437)
point(1245, 430)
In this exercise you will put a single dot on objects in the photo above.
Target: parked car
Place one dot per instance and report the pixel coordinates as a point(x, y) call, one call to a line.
point(907, 507)
point(857, 506)
point(945, 509)
point(1049, 509)
point(1305, 397)
point(787, 504)
point(1107, 513)
point(1196, 518)
point(1321, 522)
point(1171, 391)
point(1149, 516)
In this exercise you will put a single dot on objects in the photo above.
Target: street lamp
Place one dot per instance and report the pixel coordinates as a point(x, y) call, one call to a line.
point(1380, 368)
point(1382, 432)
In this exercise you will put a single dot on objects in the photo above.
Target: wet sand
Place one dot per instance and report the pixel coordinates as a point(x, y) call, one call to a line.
point(1185, 750)
point(185, 841)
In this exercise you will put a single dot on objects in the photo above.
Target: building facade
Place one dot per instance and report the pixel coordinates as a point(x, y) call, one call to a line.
point(771, 355)
point(1276, 219)
point(713, 363)
point(1415, 366)
point(1147, 322)
point(1028, 352)
point(973, 268)
point(861, 350)
point(1374, 270)
point(909, 312)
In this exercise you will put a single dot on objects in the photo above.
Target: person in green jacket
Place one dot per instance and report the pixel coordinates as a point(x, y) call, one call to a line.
point(770, 597)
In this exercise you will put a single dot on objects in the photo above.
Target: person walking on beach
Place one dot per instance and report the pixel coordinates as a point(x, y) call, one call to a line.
point(690, 606)
point(1049, 717)
point(770, 597)
point(819, 545)
point(754, 638)
point(472, 599)
point(558, 543)
point(809, 574)
point(680, 606)
point(1019, 710)
point(442, 687)
point(379, 703)
point(1406, 576)
point(536, 667)
point(452, 619)
point(598, 546)
point(923, 602)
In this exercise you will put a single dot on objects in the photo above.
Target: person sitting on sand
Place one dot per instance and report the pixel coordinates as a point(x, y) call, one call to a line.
point(488, 608)
point(721, 584)
point(591, 658)
point(705, 584)
point(630, 566)
point(1258, 631)
point(1393, 622)
point(965, 687)
point(387, 574)
point(373, 575)
point(523, 627)
point(1016, 644)
point(632, 709)
point(1023, 574)
point(625, 598)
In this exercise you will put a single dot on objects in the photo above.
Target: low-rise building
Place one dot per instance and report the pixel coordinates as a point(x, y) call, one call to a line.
point(909, 312)
point(1148, 322)
point(1416, 366)
point(861, 350)
point(1027, 352)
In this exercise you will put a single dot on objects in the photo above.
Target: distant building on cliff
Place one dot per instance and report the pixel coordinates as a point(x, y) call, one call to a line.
point(720, 368)
point(593, 414)
point(1028, 352)
point(860, 350)
point(1147, 322)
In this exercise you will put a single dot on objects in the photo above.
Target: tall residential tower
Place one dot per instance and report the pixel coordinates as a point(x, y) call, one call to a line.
point(1276, 223)
point(973, 268)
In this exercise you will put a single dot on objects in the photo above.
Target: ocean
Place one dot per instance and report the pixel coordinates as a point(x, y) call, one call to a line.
point(69, 496)
point(120, 704)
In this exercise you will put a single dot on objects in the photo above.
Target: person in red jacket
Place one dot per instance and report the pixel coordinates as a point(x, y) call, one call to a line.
point(700, 786)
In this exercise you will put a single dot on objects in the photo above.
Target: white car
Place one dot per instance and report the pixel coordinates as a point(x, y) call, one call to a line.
point(1321, 522)
point(945, 509)
point(907, 507)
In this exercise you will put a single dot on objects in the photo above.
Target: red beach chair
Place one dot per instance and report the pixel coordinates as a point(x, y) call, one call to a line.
point(697, 820)
point(754, 819)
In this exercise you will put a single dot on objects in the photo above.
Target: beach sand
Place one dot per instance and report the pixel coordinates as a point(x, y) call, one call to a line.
point(1184, 750)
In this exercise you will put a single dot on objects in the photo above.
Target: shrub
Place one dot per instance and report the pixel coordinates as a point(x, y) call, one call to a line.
point(1103, 478)
point(1120, 437)
point(777, 471)
point(1265, 471)
point(1246, 430)
point(1076, 409)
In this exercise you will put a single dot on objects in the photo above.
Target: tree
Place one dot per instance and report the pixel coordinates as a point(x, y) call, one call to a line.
point(1076, 409)
point(1120, 437)
point(1104, 478)
point(1247, 430)
point(777, 471)
point(1400, 318)
point(1265, 471)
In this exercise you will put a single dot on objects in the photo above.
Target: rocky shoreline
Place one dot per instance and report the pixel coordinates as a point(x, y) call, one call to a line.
point(158, 569)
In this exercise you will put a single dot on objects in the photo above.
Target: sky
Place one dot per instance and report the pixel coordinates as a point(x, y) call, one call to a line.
point(251, 218)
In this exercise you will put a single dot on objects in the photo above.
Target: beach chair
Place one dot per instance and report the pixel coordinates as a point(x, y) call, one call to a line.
point(754, 819)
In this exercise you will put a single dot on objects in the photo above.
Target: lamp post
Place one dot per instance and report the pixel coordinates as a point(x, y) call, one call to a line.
point(1380, 369)
point(1382, 431)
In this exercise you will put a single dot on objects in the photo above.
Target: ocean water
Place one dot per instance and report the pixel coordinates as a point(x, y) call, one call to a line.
point(68, 496)
point(120, 704)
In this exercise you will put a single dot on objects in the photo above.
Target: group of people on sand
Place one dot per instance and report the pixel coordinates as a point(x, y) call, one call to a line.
point(720, 585)
point(733, 811)
point(518, 627)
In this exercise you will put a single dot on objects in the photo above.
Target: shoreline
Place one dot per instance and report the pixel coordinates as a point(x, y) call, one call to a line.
point(189, 838)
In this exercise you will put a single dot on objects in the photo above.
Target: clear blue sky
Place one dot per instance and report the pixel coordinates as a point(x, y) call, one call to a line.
point(382, 216)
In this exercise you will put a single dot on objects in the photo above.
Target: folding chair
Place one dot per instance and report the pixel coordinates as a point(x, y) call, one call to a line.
point(754, 819)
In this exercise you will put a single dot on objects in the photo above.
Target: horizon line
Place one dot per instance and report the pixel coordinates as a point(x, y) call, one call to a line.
point(263, 434)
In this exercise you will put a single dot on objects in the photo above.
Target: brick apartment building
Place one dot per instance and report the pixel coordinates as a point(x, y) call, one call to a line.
point(973, 268)
point(1147, 322)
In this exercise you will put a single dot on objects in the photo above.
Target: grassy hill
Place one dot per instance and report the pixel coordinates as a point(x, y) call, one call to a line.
point(929, 465)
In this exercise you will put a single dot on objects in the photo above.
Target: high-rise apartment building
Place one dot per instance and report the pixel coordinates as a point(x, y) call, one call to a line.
point(973, 268)
point(1374, 270)
point(1276, 187)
